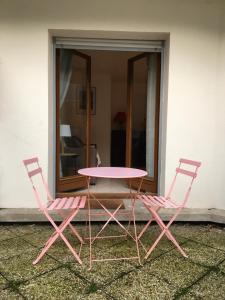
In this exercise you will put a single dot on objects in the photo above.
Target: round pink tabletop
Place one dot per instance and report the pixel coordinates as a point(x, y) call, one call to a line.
point(112, 172)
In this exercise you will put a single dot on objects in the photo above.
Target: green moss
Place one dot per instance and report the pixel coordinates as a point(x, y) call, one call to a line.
point(14, 247)
point(164, 275)
point(21, 268)
point(3, 282)
point(211, 286)
point(92, 288)
point(7, 294)
point(5, 234)
point(57, 284)
point(140, 285)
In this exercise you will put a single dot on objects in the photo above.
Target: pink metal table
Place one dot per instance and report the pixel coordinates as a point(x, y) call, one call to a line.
point(116, 173)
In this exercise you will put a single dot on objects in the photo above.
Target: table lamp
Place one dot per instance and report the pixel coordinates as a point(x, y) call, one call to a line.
point(120, 119)
point(64, 132)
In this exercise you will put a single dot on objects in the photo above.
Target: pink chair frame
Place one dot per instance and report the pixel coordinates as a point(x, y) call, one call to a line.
point(154, 203)
point(58, 205)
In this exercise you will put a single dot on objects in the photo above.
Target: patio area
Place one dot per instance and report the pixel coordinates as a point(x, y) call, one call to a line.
point(165, 275)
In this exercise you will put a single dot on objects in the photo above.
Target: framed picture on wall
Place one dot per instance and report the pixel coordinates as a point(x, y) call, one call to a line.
point(81, 100)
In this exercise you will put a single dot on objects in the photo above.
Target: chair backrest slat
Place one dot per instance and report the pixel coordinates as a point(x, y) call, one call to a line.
point(33, 162)
point(190, 162)
point(194, 165)
point(185, 172)
point(30, 161)
point(34, 172)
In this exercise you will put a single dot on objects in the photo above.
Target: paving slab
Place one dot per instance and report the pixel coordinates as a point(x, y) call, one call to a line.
point(20, 230)
point(3, 282)
point(176, 270)
point(201, 254)
point(142, 286)
point(99, 295)
point(209, 235)
point(5, 233)
point(14, 247)
point(211, 286)
point(8, 294)
point(20, 268)
point(59, 284)
point(102, 273)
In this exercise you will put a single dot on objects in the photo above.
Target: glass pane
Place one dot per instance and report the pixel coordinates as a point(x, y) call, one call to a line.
point(73, 113)
point(150, 114)
point(143, 114)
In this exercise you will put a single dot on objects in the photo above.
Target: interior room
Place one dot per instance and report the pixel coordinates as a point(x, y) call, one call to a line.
point(109, 88)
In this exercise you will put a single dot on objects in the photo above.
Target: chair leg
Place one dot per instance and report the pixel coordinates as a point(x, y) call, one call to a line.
point(145, 228)
point(148, 223)
point(67, 222)
point(157, 241)
point(73, 229)
point(45, 249)
point(165, 231)
point(56, 234)
point(71, 248)
point(50, 243)
point(173, 240)
point(156, 210)
point(51, 240)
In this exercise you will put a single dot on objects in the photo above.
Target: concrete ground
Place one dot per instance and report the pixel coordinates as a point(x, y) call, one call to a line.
point(187, 215)
point(165, 275)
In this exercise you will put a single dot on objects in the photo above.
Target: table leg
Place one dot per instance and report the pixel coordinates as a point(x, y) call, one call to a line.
point(133, 197)
point(134, 218)
point(135, 231)
point(130, 215)
point(89, 223)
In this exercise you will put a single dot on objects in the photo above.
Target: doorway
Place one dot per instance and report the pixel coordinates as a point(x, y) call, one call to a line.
point(107, 115)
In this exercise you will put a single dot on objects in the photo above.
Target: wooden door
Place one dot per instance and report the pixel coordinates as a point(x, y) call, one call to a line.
point(143, 103)
point(73, 118)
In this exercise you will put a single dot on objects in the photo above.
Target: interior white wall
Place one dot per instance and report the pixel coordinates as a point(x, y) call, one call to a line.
point(119, 98)
point(101, 133)
point(195, 115)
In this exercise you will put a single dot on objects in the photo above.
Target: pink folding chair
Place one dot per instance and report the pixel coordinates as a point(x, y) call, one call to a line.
point(154, 203)
point(58, 205)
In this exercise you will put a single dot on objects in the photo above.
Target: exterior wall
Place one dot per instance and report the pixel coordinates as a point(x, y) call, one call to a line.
point(195, 105)
point(219, 154)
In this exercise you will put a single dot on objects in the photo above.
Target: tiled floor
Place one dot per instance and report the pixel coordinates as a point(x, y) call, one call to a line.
point(165, 275)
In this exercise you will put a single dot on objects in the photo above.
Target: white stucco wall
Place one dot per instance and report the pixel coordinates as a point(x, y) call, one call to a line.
point(195, 115)
point(219, 149)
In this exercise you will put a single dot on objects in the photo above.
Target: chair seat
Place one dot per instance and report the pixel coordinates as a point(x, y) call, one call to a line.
point(67, 203)
point(157, 201)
